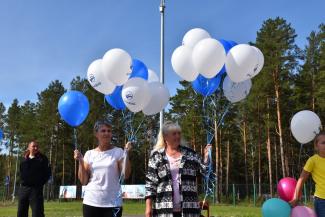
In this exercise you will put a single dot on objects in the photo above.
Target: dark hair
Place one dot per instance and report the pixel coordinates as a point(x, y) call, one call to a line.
point(321, 133)
point(100, 123)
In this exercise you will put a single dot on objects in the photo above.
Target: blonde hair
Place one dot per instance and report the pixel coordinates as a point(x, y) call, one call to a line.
point(168, 126)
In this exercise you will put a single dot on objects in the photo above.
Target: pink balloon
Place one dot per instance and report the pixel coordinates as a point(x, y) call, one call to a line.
point(302, 211)
point(286, 188)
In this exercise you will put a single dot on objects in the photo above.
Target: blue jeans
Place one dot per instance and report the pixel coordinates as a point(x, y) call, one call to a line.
point(319, 205)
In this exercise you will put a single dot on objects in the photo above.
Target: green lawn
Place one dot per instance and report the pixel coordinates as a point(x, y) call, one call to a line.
point(74, 209)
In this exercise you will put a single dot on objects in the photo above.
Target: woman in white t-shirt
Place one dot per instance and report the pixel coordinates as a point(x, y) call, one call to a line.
point(100, 170)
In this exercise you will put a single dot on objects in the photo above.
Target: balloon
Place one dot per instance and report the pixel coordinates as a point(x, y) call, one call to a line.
point(1, 134)
point(303, 211)
point(159, 98)
point(276, 208)
point(226, 45)
point(139, 69)
point(183, 65)
point(222, 71)
point(73, 107)
point(205, 86)
point(192, 37)
point(305, 125)
point(152, 76)
point(236, 92)
point(115, 99)
point(232, 43)
point(286, 188)
point(117, 65)
point(208, 57)
point(135, 94)
point(260, 60)
point(97, 78)
point(241, 62)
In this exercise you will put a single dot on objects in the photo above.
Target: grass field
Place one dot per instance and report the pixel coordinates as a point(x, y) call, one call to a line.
point(74, 209)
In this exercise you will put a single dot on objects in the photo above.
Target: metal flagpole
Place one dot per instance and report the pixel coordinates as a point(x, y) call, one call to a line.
point(14, 191)
point(162, 34)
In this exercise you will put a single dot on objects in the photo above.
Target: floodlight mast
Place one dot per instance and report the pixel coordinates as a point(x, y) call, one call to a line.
point(162, 51)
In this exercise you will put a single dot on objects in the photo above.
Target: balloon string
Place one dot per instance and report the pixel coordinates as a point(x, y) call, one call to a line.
point(133, 136)
point(122, 175)
point(207, 121)
point(224, 114)
point(75, 138)
point(208, 177)
point(130, 131)
point(116, 210)
point(299, 159)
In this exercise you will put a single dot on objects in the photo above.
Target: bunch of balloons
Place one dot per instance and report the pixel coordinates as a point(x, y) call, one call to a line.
point(305, 125)
point(203, 61)
point(127, 83)
point(280, 207)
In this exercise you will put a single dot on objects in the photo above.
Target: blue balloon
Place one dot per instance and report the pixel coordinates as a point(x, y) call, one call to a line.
point(139, 69)
point(115, 98)
point(205, 86)
point(226, 45)
point(222, 71)
point(73, 107)
point(276, 207)
point(1, 134)
point(232, 43)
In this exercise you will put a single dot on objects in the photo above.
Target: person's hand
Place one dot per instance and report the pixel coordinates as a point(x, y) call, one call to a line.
point(294, 202)
point(128, 146)
point(77, 155)
point(148, 212)
point(206, 152)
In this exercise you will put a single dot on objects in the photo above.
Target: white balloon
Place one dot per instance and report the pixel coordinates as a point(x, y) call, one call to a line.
point(192, 37)
point(305, 125)
point(260, 61)
point(152, 76)
point(241, 62)
point(158, 100)
point(182, 63)
point(208, 57)
point(117, 65)
point(97, 78)
point(135, 94)
point(236, 92)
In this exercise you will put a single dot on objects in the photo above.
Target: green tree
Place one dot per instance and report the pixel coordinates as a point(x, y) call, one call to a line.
point(276, 39)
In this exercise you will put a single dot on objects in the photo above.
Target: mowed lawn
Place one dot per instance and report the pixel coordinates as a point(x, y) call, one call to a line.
point(74, 209)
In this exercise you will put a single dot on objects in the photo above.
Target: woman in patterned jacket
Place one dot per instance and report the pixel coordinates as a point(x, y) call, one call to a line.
point(171, 188)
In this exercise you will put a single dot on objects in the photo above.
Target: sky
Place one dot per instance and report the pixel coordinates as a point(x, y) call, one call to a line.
point(46, 40)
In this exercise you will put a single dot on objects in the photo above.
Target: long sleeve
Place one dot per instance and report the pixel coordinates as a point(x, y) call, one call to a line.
point(151, 177)
point(203, 167)
point(35, 172)
point(46, 170)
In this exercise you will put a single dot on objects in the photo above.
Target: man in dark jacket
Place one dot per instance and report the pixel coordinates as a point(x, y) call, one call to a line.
point(34, 173)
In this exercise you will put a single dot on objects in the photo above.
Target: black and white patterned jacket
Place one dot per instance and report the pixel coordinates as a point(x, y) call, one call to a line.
point(159, 183)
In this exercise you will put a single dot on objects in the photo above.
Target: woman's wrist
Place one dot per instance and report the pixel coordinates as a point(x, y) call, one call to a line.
point(81, 161)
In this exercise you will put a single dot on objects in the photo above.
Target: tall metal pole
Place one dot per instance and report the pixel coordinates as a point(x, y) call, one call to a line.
point(14, 191)
point(162, 47)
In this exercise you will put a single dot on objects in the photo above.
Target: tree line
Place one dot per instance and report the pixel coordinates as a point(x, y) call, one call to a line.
point(252, 142)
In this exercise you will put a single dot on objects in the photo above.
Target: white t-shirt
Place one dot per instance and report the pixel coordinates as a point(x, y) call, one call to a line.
point(103, 188)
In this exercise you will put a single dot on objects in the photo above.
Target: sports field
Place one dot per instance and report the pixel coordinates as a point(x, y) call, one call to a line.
point(74, 209)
